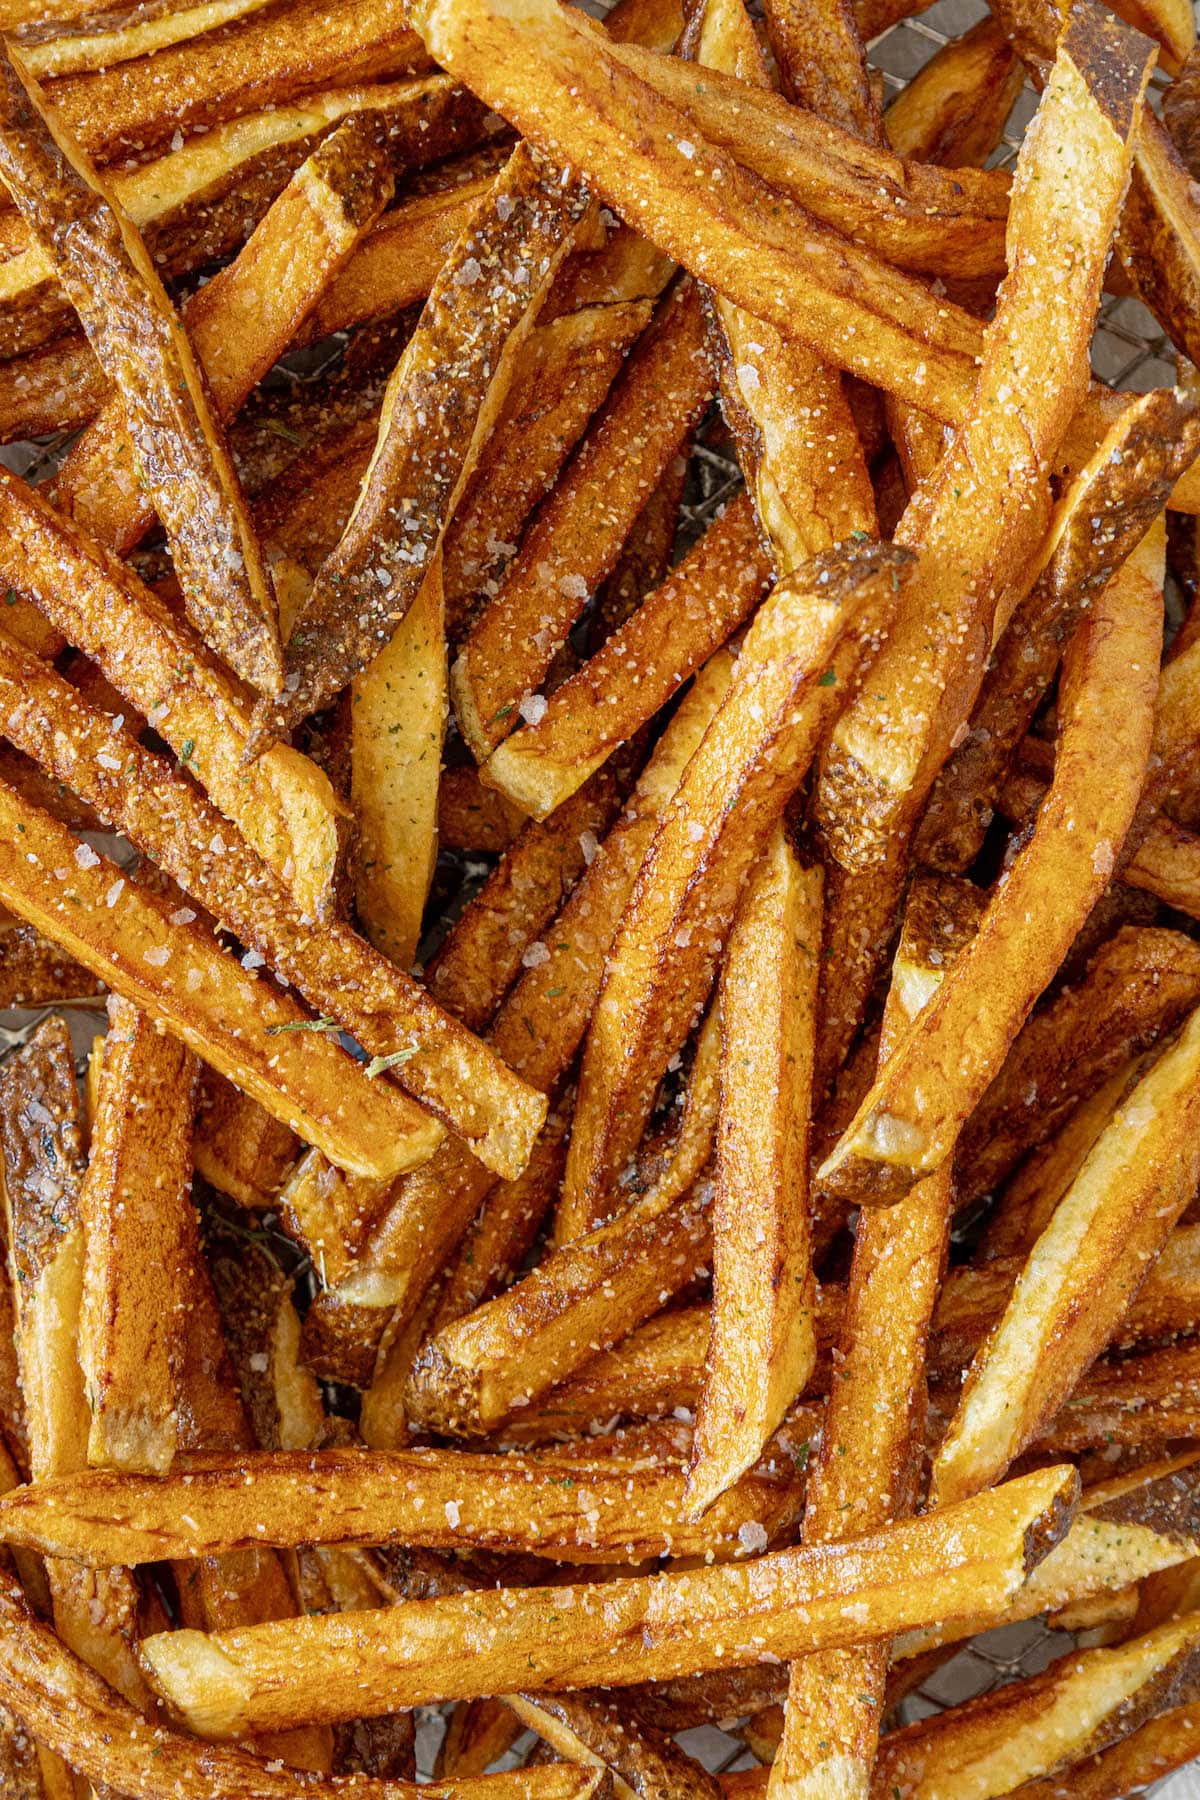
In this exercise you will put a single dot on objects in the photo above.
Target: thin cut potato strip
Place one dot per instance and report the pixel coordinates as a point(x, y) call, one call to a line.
point(777, 1604)
point(895, 1138)
point(176, 440)
point(268, 57)
point(127, 935)
point(136, 1210)
point(49, 47)
point(872, 1432)
point(759, 1360)
point(609, 1509)
point(392, 1017)
point(1082, 1272)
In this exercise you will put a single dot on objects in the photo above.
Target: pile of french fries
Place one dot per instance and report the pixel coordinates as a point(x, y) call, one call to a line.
point(644, 1168)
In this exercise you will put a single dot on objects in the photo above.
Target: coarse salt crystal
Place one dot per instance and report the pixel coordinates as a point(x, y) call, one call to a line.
point(535, 956)
point(159, 956)
point(86, 857)
point(452, 1514)
point(752, 1537)
point(533, 708)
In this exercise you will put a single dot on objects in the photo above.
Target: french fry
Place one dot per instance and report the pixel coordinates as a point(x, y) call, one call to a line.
point(219, 1011)
point(566, 367)
point(954, 109)
point(41, 1139)
point(1126, 484)
point(464, 349)
point(387, 1012)
point(1147, 1399)
point(50, 47)
point(238, 1147)
point(778, 1604)
point(504, 1356)
point(873, 1428)
point(800, 656)
point(1138, 988)
point(1127, 1529)
point(608, 1509)
point(478, 1733)
point(253, 63)
point(175, 439)
point(135, 1207)
point(539, 1029)
point(474, 817)
point(675, 630)
point(578, 533)
point(1036, 1727)
point(305, 237)
point(65, 1706)
point(763, 1344)
point(885, 1148)
point(1082, 1273)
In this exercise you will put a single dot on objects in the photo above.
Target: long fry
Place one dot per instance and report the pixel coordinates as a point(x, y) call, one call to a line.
point(609, 1509)
point(135, 1207)
point(175, 438)
point(763, 1342)
point(463, 348)
point(777, 1604)
point(1137, 1180)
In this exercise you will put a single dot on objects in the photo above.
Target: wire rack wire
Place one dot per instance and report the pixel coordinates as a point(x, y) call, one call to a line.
point(1129, 351)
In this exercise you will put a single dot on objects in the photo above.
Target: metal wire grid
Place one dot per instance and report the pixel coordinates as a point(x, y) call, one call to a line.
point(1129, 351)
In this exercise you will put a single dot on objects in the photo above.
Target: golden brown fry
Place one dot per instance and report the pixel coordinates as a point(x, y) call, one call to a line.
point(53, 47)
point(35, 972)
point(1082, 1273)
point(763, 1344)
point(953, 111)
point(607, 1510)
point(1146, 1756)
point(1138, 987)
point(577, 536)
point(501, 926)
point(474, 817)
point(391, 1017)
point(505, 1355)
point(238, 1147)
point(779, 1604)
point(176, 442)
point(449, 382)
point(292, 47)
point(1035, 912)
point(627, 139)
point(124, 933)
point(1037, 1726)
point(1149, 1399)
point(674, 631)
point(477, 1734)
point(135, 1205)
point(65, 1706)
point(1125, 486)
point(243, 320)
point(41, 1138)
point(800, 656)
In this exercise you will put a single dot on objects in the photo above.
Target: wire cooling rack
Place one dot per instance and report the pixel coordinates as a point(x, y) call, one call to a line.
point(1128, 351)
